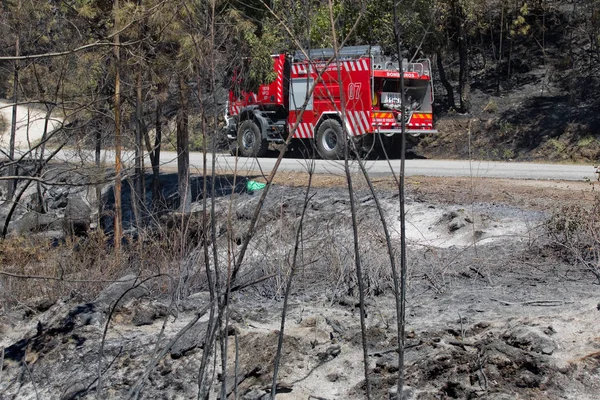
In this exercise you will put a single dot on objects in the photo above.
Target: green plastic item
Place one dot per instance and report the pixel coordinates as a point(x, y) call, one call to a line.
point(253, 186)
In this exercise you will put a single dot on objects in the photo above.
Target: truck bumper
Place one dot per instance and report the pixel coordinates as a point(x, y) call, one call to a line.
point(413, 132)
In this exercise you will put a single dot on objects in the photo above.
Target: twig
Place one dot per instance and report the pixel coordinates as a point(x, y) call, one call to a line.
point(394, 349)
point(307, 198)
point(539, 303)
point(353, 214)
point(254, 282)
point(462, 329)
point(236, 367)
point(61, 279)
point(37, 395)
point(485, 380)
point(478, 272)
point(1, 363)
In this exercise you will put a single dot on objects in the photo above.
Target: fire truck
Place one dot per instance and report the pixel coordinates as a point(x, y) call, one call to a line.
point(331, 101)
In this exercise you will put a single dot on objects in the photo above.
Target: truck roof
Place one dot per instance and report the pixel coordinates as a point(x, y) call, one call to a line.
point(345, 53)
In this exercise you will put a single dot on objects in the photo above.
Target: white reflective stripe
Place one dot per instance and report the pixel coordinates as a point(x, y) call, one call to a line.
point(346, 66)
point(312, 131)
point(353, 66)
point(298, 132)
point(365, 65)
point(366, 121)
point(355, 123)
point(301, 129)
point(306, 130)
point(355, 127)
point(349, 126)
point(358, 65)
point(361, 123)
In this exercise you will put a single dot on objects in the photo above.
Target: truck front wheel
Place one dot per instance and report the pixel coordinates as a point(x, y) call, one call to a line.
point(250, 140)
point(330, 140)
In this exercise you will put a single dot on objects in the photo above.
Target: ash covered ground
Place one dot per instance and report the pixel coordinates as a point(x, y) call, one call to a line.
point(492, 311)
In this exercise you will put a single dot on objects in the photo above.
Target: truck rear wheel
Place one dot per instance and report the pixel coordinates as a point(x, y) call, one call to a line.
point(330, 140)
point(250, 140)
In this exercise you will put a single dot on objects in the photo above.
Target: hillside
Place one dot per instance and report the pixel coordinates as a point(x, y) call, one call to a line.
point(539, 102)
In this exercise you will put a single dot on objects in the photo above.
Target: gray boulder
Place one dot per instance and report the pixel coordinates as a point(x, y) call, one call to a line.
point(125, 289)
point(77, 217)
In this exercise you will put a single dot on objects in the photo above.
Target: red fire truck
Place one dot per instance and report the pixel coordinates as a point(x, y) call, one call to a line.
point(308, 92)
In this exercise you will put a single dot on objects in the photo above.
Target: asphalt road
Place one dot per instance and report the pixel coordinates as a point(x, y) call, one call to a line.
point(419, 167)
point(30, 129)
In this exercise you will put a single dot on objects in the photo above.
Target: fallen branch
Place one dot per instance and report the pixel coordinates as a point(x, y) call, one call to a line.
point(394, 349)
point(241, 378)
point(539, 303)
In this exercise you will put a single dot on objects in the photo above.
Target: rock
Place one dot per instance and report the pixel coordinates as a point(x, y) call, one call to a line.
point(454, 390)
point(329, 354)
point(255, 394)
point(77, 217)
point(550, 330)
point(74, 391)
point(42, 304)
point(125, 289)
point(455, 225)
point(455, 220)
point(498, 358)
point(146, 315)
point(60, 201)
point(528, 379)
point(531, 339)
point(548, 350)
point(408, 393)
point(388, 362)
point(333, 377)
point(195, 301)
point(34, 222)
point(190, 340)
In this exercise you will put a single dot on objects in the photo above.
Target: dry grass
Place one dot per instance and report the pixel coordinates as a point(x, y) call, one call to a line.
point(575, 233)
point(36, 271)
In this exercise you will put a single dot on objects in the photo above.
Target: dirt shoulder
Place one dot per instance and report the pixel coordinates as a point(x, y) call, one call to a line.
point(537, 195)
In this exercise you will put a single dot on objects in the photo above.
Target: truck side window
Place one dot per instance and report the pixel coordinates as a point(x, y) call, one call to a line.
point(298, 93)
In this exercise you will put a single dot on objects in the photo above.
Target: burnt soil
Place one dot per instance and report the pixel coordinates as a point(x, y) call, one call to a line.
point(492, 310)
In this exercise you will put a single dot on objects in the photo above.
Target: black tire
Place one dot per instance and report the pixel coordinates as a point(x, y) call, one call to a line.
point(250, 142)
point(330, 140)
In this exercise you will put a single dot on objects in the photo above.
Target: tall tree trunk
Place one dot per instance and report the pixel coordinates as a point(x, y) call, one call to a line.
point(464, 83)
point(500, 51)
point(139, 132)
point(154, 153)
point(139, 150)
point(12, 168)
point(100, 177)
point(445, 82)
point(118, 211)
point(183, 153)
